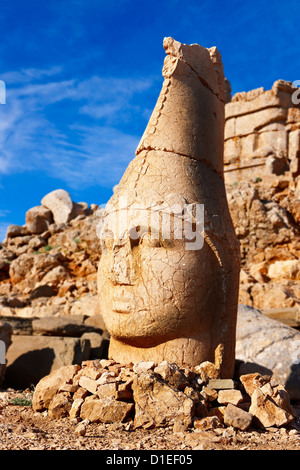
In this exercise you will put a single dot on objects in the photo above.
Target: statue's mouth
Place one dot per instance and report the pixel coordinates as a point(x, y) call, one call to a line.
point(122, 305)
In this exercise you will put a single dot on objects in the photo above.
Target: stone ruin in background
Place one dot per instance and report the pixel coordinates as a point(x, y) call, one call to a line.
point(262, 133)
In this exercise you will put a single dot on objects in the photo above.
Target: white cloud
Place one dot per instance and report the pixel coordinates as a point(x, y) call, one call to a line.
point(29, 75)
point(3, 229)
point(77, 153)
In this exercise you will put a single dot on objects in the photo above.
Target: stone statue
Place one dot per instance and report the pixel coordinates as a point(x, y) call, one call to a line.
point(169, 272)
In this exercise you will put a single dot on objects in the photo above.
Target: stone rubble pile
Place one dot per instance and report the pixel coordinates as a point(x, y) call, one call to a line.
point(266, 217)
point(51, 260)
point(149, 395)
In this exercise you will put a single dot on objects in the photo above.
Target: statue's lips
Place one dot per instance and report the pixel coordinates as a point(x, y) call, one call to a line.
point(122, 306)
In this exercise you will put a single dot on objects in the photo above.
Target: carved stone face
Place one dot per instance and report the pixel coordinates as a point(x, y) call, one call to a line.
point(159, 279)
point(168, 291)
point(150, 280)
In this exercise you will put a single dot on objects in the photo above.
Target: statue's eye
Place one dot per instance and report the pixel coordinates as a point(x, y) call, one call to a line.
point(134, 242)
point(136, 235)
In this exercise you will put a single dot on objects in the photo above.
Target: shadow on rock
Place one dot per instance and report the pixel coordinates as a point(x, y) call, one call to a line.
point(29, 368)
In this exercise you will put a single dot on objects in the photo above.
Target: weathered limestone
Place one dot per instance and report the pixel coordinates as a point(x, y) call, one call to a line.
point(162, 295)
point(49, 385)
point(62, 207)
point(156, 402)
point(146, 395)
point(238, 418)
point(31, 357)
point(38, 219)
point(59, 202)
point(267, 346)
point(262, 130)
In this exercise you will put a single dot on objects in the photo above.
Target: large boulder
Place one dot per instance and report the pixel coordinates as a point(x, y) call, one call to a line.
point(30, 358)
point(38, 219)
point(268, 346)
point(59, 202)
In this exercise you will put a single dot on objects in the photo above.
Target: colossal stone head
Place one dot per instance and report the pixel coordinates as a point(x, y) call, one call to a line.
point(169, 271)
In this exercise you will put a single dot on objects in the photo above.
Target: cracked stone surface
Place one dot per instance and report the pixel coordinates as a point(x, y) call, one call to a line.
point(168, 278)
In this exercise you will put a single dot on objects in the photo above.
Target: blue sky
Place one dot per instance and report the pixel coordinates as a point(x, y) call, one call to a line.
point(83, 76)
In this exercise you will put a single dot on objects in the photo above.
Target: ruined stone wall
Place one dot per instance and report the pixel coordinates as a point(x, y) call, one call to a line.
point(262, 175)
point(262, 133)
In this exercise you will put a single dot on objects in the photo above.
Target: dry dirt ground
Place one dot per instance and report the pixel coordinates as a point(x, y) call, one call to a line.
point(23, 429)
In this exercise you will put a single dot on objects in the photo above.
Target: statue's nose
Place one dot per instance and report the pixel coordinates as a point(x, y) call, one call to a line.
point(122, 270)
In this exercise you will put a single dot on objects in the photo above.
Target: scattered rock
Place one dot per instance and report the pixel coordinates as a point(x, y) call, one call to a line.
point(230, 396)
point(105, 410)
point(49, 385)
point(42, 291)
point(267, 412)
point(210, 422)
point(253, 381)
point(236, 417)
point(38, 219)
point(80, 429)
point(59, 202)
point(60, 406)
point(16, 231)
point(221, 384)
point(159, 404)
point(95, 392)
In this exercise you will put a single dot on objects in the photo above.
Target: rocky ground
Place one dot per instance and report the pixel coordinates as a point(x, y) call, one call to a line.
point(38, 419)
point(23, 429)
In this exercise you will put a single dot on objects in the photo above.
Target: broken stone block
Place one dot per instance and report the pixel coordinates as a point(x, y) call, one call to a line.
point(16, 231)
point(253, 381)
point(59, 202)
point(157, 404)
point(220, 384)
point(75, 408)
point(49, 385)
point(107, 390)
point(143, 366)
point(230, 396)
point(207, 370)
point(172, 374)
point(89, 384)
point(105, 410)
point(267, 412)
point(209, 394)
point(93, 369)
point(60, 406)
point(237, 417)
point(218, 411)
